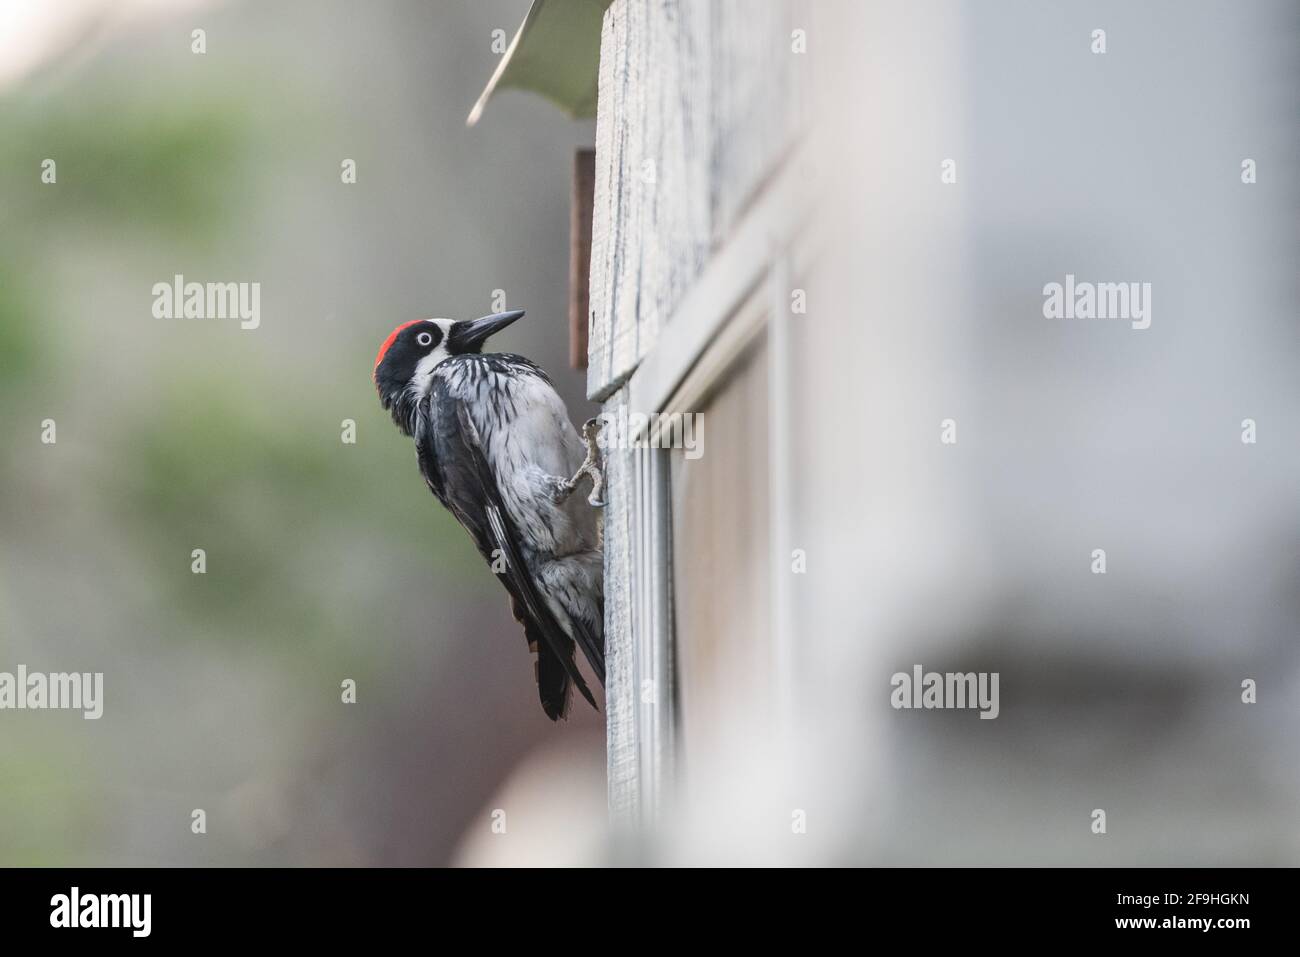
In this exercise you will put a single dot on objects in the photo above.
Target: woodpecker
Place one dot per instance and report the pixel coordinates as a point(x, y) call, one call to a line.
point(494, 443)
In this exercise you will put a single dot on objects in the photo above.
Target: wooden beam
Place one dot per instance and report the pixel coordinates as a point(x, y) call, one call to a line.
point(773, 225)
point(584, 182)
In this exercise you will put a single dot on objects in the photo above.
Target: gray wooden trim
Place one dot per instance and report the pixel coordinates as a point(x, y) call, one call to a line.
point(697, 107)
point(623, 755)
point(697, 192)
point(652, 635)
point(639, 690)
point(643, 718)
point(732, 275)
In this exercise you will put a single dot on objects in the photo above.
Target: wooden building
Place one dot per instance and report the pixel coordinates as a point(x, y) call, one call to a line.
point(824, 229)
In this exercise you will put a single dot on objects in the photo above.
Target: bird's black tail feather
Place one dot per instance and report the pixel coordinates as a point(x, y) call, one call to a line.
point(552, 684)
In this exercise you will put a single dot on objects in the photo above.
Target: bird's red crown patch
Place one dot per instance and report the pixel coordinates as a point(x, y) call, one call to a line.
point(392, 337)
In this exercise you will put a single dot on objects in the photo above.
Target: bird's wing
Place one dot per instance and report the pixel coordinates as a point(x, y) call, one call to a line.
point(453, 463)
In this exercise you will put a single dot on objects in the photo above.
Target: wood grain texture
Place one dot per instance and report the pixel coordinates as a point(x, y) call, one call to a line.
point(695, 113)
point(696, 108)
point(623, 755)
point(584, 173)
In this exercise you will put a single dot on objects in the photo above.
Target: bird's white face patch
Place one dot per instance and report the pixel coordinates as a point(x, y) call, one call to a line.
point(423, 378)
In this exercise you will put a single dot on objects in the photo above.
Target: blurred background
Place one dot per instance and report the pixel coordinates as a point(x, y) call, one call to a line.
point(325, 561)
point(1120, 692)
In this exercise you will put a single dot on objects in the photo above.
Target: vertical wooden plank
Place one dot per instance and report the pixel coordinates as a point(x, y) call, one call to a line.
point(756, 78)
point(721, 573)
point(622, 751)
point(659, 694)
point(692, 118)
point(696, 109)
point(606, 226)
point(641, 625)
point(580, 208)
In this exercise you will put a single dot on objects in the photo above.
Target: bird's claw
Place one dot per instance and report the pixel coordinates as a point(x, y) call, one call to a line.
point(561, 489)
point(594, 464)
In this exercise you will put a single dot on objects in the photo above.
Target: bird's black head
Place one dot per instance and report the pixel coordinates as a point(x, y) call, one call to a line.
point(407, 358)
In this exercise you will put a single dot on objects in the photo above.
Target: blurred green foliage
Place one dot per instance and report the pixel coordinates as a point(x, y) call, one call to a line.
point(166, 164)
point(296, 526)
point(19, 340)
point(162, 166)
point(56, 817)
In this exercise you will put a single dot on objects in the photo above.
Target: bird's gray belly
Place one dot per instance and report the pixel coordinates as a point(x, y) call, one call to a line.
point(529, 444)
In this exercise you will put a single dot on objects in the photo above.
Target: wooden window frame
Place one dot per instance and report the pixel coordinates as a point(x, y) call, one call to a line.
point(742, 292)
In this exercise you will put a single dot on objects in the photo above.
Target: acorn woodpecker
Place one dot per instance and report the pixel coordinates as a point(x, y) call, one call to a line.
point(494, 443)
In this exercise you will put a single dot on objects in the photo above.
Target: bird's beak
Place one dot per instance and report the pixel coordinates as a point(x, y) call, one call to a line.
point(469, 336)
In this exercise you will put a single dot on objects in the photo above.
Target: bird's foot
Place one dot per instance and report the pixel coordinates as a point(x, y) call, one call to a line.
point(594, 463)
point(561, 489)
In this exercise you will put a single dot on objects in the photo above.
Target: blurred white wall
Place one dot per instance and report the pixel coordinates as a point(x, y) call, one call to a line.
point(1118, 691)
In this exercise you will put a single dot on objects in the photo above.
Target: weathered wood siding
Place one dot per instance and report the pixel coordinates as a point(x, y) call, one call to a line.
point(696, 108)
point(623, 760)
point(639, 689)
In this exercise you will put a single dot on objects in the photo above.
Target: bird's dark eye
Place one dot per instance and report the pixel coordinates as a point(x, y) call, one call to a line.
point(424, 338)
